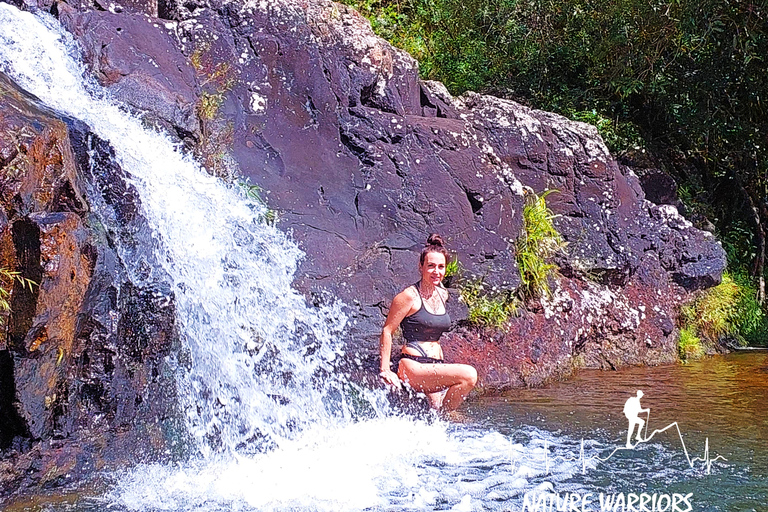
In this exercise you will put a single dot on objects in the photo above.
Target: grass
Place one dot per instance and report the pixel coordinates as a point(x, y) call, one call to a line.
point(537, 244)
point(716, 310)
point(485, 309)
point(488, 310)
point(689, 345)
point(728, 310)
point(452, 269)
point(7, 277)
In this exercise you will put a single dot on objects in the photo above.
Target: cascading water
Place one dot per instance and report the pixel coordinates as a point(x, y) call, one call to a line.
point(270, 422)
point(247, 333)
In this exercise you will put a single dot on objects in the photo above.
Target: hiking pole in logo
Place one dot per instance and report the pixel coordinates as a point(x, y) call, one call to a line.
point(632, 411)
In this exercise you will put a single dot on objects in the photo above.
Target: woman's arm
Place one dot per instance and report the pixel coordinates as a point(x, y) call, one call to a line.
point(401, 306)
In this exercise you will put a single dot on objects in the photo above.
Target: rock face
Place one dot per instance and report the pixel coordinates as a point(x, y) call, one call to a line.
point(360, 160)
point(84, 351)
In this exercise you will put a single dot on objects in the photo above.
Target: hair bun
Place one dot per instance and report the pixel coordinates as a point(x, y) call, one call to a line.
point(435, 239)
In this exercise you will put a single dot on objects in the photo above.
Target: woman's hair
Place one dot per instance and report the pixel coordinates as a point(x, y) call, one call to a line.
point(434, 244)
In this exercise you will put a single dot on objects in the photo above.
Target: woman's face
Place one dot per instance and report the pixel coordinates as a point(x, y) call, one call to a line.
point(433, 268)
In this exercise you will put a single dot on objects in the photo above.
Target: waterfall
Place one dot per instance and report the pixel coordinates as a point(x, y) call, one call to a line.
point(257, 361)
point(271, 426)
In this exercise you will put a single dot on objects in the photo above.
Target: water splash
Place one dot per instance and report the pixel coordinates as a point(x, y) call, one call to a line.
point(357, 467)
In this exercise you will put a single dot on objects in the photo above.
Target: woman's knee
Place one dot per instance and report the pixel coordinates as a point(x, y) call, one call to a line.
point(469, 375)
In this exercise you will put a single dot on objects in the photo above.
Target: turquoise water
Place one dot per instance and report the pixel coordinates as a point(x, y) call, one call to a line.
point(723, 399)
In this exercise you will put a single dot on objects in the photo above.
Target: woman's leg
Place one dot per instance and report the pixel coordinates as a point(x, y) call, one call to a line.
point(458, 379)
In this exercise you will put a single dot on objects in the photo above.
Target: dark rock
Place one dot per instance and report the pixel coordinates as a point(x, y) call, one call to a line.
point(659, 187)
point(361, 160)
point(135, 57)
point(84, 356)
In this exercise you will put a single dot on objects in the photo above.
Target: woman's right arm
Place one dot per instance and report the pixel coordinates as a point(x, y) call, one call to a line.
point(401, 306)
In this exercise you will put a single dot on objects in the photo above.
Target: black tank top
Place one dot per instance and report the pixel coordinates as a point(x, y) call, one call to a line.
point(423, 325)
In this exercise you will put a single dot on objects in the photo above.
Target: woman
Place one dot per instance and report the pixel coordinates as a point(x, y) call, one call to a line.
point(420, 311)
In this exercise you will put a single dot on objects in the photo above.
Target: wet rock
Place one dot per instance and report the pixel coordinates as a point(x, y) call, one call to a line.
point(83, 360)
point(135, 57)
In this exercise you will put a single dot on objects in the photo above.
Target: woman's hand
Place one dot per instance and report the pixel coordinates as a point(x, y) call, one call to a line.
point(391, 378)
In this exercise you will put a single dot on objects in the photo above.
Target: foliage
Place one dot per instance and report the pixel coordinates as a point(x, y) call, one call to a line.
point(620, 137)
point(7, 277)
point(729, 309)
point(217, 134)
point(488, 310)
point(683, 80)
point(254, 193)
point(689, 345)
point(536, 245)
point(750, 319)
point(716, 310)
point(452, 269)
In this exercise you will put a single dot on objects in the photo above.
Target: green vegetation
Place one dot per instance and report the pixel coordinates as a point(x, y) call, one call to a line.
point(254, 193)
point(485, 308)
point(678, 85)
point(217, 135)
point(729, 310)
point(488, 310)
point(209, 105)
point(7, 277)
point(750, 320)
point(689, 345)
point(452, 269)
point(537, 244)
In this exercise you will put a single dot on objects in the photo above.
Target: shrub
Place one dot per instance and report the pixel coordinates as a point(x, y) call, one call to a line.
point(730, 309)
point(488, 310)
point(537, 244)
point(716, 309)
point(689, 345)
point(750, 319)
